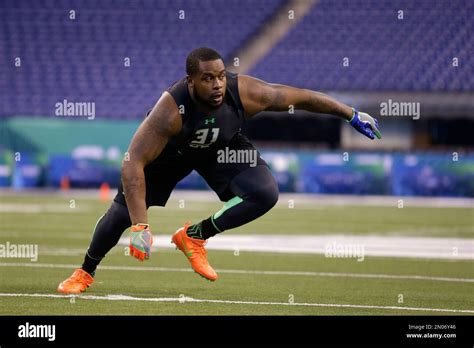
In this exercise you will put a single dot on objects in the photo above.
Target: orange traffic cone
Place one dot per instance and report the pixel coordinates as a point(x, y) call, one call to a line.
point(65, 184)
point(104, 192)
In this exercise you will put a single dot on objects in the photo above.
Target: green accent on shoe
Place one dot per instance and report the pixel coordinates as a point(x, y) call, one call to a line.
point(229, 204)
point(188, 253)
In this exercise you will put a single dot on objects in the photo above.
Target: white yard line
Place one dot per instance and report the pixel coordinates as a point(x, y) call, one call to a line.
point(339, 246)
point(258, 303)
point(255, 272)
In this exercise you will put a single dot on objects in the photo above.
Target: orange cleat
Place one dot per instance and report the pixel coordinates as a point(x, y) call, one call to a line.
point(78, 282)
point(194, 250)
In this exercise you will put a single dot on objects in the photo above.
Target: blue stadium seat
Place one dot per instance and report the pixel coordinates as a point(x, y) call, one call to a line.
point(83, 59)
point(385, 53)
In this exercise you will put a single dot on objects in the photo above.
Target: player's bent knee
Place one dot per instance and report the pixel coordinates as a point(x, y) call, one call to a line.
point(267, 196)
point(257, 185)
point(273, 194)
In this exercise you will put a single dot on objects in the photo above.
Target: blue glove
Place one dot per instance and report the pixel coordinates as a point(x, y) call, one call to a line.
point(365, 124)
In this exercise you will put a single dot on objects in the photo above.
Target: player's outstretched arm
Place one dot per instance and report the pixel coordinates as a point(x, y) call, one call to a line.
point(258, 95)
point(149, 140)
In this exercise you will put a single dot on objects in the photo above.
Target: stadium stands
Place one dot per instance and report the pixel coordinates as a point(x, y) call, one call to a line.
point(82, 59)
point(384, 52)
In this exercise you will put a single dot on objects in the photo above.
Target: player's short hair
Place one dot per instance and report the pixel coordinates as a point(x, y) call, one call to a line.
point(201, 54)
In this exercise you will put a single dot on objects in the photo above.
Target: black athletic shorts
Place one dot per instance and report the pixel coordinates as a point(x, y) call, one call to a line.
point(170, 167)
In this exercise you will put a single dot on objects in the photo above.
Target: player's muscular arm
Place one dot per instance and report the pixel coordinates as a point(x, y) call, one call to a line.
point(258, 95)
point(149, 140)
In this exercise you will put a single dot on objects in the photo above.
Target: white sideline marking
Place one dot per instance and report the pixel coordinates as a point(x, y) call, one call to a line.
point(190, 299)
point(31, 208)
point(238, 271)
point(51, 251)
point(299, 198)
point(386, 246)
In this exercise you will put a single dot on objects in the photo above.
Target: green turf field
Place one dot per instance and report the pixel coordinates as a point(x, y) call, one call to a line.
point(335, 286)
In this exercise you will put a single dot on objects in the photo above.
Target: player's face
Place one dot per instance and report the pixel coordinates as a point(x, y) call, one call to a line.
point(210, 82)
